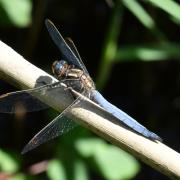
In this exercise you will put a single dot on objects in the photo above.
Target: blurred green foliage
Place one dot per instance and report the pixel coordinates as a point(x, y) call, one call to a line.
point(149, 52)
point(55, 170)
point(16, 12)
point(112, 162)
point(161, 50)
point(9, 162)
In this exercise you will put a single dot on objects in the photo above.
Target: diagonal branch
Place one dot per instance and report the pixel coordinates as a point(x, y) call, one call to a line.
point(21, 73)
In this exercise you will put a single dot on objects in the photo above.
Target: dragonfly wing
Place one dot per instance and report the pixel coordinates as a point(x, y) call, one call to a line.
point(60, 125)
point(71, 44)
point(27, 98)
point(62, 45)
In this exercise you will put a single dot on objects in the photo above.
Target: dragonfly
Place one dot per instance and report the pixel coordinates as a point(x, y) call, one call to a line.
point(72, 73)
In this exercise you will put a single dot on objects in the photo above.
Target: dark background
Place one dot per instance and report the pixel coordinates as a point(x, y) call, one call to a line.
point(148, 90)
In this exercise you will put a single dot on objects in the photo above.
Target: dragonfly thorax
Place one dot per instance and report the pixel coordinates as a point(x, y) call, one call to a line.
point(69, 73)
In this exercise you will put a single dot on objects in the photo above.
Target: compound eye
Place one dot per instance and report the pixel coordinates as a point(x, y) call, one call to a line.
point(58, 67)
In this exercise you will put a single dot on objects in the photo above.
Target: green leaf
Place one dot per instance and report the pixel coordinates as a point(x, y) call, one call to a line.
point(139, 12)
point(123, 166)
point(8, 162)
point(142, 15)
point(112, 162)
point(56, 170)
point(110, 45)
point(87, 147)
point(151, 52)
point(18, 11)
point(169, 6)
point(19, 177)
point(80, 171)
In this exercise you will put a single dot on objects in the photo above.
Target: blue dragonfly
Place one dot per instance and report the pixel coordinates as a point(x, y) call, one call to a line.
point(71, 72)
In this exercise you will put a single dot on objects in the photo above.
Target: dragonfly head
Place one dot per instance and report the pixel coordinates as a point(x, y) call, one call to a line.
point(59, 68)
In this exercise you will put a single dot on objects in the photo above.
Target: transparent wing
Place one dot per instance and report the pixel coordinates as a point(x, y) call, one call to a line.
point(60, 125)
point(71, 44)
point(63, 46)
point(27, 98)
